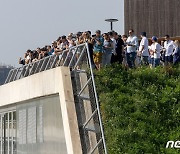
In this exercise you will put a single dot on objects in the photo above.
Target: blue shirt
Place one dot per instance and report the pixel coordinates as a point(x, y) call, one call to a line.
point(51, 52)
point(97, 47)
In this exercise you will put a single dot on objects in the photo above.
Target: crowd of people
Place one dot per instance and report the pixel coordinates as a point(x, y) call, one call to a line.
point(108, 48)
point(165, 53)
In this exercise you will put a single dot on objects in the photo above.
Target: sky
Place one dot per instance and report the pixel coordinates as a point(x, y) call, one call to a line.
point(28, 24)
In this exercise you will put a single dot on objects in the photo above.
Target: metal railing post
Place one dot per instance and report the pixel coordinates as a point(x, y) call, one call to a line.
point(96, 98)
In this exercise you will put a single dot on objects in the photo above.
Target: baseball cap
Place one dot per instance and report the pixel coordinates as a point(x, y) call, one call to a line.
point(98, 31)
point(154, 38)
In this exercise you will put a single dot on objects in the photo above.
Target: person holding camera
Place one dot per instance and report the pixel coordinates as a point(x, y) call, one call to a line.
point(97, 48)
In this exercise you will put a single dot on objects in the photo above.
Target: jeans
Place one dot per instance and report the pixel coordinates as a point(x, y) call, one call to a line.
point(117, 58)
point(168, 59)
point(151, 61)
point(106, 58)
point(156, 62)
point(145, 60)
point(176, 59)
point(131, 59)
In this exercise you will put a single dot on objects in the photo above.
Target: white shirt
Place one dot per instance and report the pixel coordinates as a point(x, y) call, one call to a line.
point(144, 42)
point(133, 40)
point(114, 45)
point(62, 46)
point(156, 48)
point(169, 46)
point(150, 55)
point(176, 49)
point(28, 57)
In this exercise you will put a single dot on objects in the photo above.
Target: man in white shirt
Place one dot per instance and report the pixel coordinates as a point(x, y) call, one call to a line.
point(143, 49)
point(132, 45)
point(169, 47)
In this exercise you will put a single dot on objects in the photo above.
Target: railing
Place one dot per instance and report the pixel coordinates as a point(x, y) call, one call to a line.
point(78, 59)
point(38, 66)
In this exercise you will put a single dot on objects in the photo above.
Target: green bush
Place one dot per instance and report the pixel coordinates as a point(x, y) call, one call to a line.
point(140, 108)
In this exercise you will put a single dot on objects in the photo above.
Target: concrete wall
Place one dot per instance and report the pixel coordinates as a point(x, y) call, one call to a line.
point(54, 81)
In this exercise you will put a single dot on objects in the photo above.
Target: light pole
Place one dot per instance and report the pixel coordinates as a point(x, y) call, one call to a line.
point(111, 22)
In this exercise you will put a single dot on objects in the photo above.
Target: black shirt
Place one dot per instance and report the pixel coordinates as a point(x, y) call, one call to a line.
point(119, 44)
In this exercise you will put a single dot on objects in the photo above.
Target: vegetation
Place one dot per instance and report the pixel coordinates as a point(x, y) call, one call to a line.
point(140, 108)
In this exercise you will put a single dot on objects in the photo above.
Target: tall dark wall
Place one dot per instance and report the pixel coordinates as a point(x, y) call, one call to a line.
point(156, 17)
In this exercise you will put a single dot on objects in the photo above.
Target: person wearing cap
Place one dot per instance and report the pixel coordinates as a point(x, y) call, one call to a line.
point(155, 52)
point(98, 49)
point(132, 45)
point(143, 49)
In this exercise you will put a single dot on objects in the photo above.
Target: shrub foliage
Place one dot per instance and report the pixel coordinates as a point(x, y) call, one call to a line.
point(140, 108)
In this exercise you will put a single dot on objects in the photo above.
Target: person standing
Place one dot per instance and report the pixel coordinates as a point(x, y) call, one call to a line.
point(176, 53)
point(64, 43)
point(143, 49)
point(132, 45)
point(124, 38)
point(97, 49)
point(87, 39)
point(169, 47)
point(114, 54)
point(119, 48)
point(155, 51)
point(107, 50)
point(162, 57)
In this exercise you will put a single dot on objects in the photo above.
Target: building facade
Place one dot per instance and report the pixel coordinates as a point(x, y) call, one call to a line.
point(156, 17)
point(39, 118)
point(48, 108)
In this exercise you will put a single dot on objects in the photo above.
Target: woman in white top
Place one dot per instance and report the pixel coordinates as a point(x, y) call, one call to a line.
point(155, 51)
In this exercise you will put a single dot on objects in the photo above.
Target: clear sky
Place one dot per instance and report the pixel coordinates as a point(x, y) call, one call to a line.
point(28, 24)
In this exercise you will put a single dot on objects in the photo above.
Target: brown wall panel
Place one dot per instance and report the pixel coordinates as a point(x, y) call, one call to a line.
point(156, 17)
